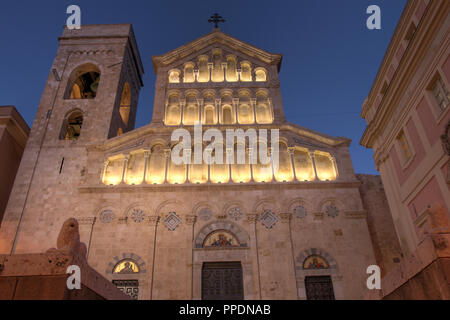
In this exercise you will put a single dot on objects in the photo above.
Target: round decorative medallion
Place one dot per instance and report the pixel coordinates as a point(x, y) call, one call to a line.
point(205, 214)
point(235, 213)
point(300, 212)
point(332, 211)
point(137, 215)
point(106, 216)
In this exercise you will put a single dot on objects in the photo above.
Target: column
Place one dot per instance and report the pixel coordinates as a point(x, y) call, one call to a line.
point(124, 170)
point(224, 69)
point(271, 163)
point(146, 157)
point(200, 110)
point(251, 220)
point(311, 154)
point(210, 67)
point(253, 105)
point(218, 111)
point(238, 71)
point(190, 221)
point(167, 155)
point(288, 256)
point(153, 227)
point(228, 151)
point(182, 104)
point(235, 105)
point(105, 167)
point(291, 151)
point(188, 153)
point(250, 156)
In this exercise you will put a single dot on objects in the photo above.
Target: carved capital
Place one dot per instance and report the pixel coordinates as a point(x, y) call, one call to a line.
point(252, 217)
point(285, 217)
point(191, 219)
point(153, 220)
point(89, 221)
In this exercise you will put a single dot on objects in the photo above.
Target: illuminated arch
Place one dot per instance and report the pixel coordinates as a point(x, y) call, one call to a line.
point(83, 82)
point(227, 227)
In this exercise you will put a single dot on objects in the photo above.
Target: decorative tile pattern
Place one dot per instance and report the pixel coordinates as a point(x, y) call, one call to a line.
point(300, 212)
point(268, 219)
point(235, 213)
point(106, 216)
point(172, 221)
point(332, 211)
point(138, 215)
point(205, 214)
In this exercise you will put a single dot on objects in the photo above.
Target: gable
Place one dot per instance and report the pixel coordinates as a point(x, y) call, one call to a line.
point(217, 39)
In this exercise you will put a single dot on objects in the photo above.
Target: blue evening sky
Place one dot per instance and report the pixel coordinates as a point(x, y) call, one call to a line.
point(330, 58)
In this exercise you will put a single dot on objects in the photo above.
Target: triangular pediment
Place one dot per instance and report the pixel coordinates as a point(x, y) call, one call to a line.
point(216, 37)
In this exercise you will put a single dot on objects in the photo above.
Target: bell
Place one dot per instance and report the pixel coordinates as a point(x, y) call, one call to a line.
point(94, 85)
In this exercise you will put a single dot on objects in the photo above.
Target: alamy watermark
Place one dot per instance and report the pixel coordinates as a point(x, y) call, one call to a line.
point(236, 143)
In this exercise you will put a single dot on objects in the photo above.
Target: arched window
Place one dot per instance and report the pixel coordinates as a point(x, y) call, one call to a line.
point(231, 69)
point(156, 166)
point(125, 104)
point(126, 266)
point(174, 76)
point(189, 73)
point(263, 111)
point(71, 128)
point(227, 114)
point(260, 74)
point(246, 71)
point(173, 110)
point(83, 82)
point(203, 69)
point(217, 72)
point(325, 167)
point(209, 115)
point(190, 113)
point(284, 172)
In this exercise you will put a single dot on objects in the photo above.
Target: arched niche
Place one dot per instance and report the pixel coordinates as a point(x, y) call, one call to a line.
point(325, 166)
point(189, 76)
point(240, 169)
point(260, 74)
point(203, 69)
point(71, 127)
point(217, 74)
point(198, 173)
point(263, 109)
point(135, 168)
point(173, 109)
point(156, 165)
point(231, 73)
point(284, 172)
point(262, 170)
point(246, 71)
point(83, 82)
point(219, 173)
point(176, 173)
point(245, 109)
point(114, 170)
point(304, 169)
point(174, 76)
point(191, 109)
point(226, 227)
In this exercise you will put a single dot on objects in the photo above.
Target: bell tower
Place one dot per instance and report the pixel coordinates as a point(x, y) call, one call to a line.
point(93, 87)
point(91, 95)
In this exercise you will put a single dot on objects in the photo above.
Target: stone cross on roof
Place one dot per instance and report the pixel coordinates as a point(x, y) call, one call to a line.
point(216, 19)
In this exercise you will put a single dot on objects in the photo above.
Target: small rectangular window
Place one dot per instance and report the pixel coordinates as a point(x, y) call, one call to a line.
point(404, 147)
point(441, 94)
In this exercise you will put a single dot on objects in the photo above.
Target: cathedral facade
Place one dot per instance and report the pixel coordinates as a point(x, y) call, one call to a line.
point(162, 230)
